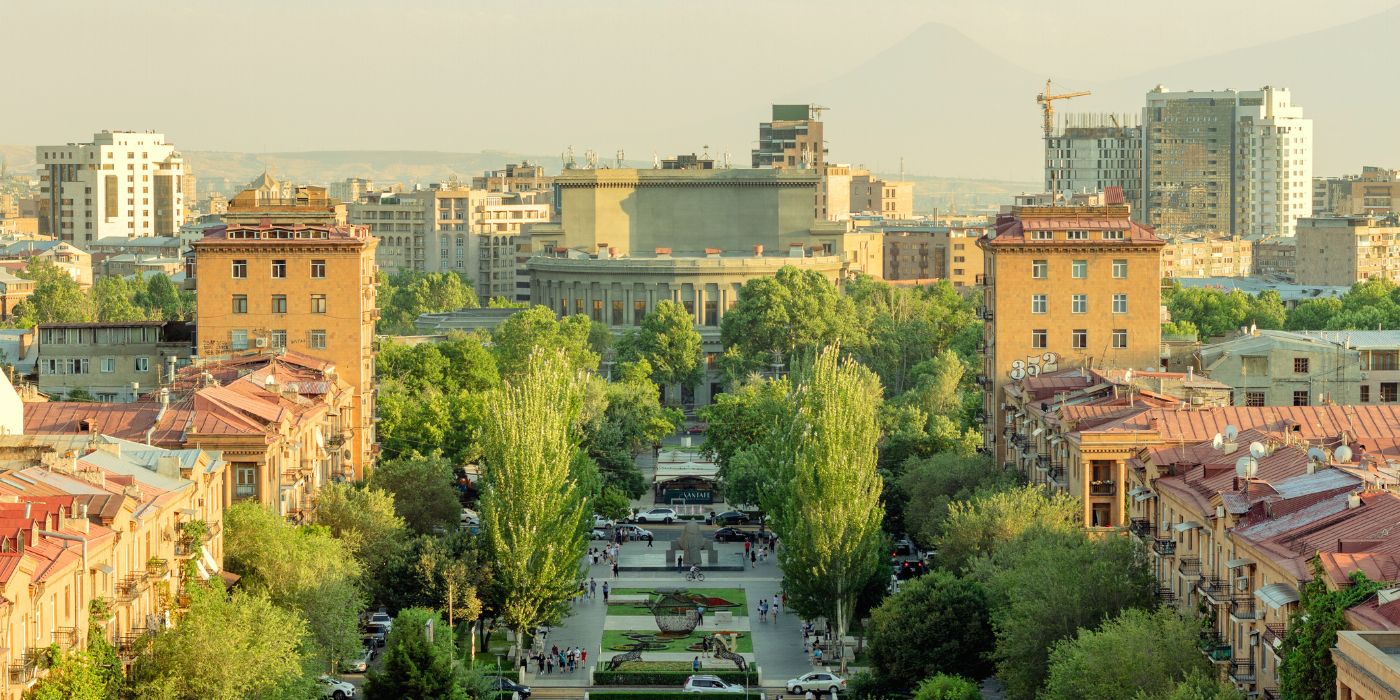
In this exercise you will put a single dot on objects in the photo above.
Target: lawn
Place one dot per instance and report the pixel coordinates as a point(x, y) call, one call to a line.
point(732, 595)
point(618, 640)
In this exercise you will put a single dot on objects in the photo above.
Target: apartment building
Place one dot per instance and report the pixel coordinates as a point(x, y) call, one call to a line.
point(921, 253)
point(1375, 192)
point(309, 289)
point(792, 139)
point(892, 199)
point(1347, 250)
point(1065, 287)
point(112, 362)
point(285, 204)
point(1378, 359)
point(1367, 666)
point(351, 189)
point(1227, 161)
point(1207, 256)
point(1276, 257)
point(834, 192)
point(13, 290)
point(122, 183)
point(1279, 368)
point(515, 177)
point(77, 262)
point(1093, 152)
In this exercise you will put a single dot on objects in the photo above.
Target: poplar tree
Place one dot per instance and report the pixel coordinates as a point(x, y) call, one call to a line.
point(532, 502)
point(829, 513)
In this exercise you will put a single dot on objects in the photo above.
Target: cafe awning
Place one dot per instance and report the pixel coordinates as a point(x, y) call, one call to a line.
point(1277, 595)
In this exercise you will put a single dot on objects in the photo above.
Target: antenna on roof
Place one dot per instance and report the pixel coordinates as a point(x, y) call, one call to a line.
point(1257, 450)
point(1316, 458)
point(1231, 432)
point(1342, 454)
point(1218, 441)
point(1246, 467)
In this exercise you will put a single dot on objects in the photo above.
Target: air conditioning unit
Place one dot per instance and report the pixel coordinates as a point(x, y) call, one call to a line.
point(1241, 583)
point(260, 342)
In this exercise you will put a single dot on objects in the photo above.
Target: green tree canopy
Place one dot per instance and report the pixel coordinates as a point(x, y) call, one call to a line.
point(1137, 651)
point(947, 687)
point(668, 341)
point(1307, 670)
point(937, 623)
point(741, 428)
point(929, 486)
point(990, 520)
point(1217, 313)
point(423, 491)
point(57, 298)
point(908, 326)
point(404, 296)
point(537, 328)
point(416, 666)
point(1199, 685)
point(794, 313)
point(90, 674)
point(115, 301)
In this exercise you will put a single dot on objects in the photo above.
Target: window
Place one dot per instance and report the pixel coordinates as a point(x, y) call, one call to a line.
point(109, 365)
point(246, 486)
point(1039, 338)
point(1120, 338)
point(1120, 303)
point(711, 313)
point(318, 303)
point(279, 303)
point(1039, 304)
point(240, 303)
point(143, 364)
point(1380, 360)
point(619, 311)
point(1102, 515)
point(1300, 366)
point(639, 312)
point(240, 269)
point(1113, 235)
point(1077, 235)
point(1041, 235)
point(318, 269)
point(1388, 391)
point(1039, 269)
point(317, 339)
point(1080, 304)
point(1254, 366)
point(1254, 398)
point(1365, 393)
point(1120, 269)
point(279, 339)
point(238, 340)
point(279, 268)
point(1079, 269)
point(1079, 338)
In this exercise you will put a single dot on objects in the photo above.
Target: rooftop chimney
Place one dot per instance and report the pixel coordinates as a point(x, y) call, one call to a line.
point(758, 250)
point(168, 465)
point(663, 253)
point(712, 252)
point(796, 251)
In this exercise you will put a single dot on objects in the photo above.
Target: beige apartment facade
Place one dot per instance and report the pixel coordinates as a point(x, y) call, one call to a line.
point(1208, 257)
point(792, 139)
point(920, 253)
point(892, 199)
point(122, 183)
point(1345, 250)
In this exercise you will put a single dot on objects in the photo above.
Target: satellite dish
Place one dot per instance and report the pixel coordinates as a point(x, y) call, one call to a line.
point(1231, 432)
point(1342, 454)
point(1257, 450)
point(1218, 441)
point(1317, 454)
point(1246, 467)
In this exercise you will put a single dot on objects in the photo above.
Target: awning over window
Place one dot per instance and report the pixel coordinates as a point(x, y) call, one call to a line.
point(209, 563)
point(1188, 525)
point(1277, 595)
point(1136, 490)
point(1237, 563)
point(1144, 496)
point(104, 568)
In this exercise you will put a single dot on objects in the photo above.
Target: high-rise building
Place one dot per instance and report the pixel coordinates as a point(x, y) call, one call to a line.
point(1067, 286)
point(1093, 152)
point(1346, 250)
point(1229, 162)
point(793, 139)
point(123, 183)
point(308, 288)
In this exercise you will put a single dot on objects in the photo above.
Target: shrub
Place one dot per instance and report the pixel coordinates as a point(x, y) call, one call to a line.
point(945, 687)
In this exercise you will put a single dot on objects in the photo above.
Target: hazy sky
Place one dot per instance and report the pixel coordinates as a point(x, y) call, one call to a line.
point(534, 77)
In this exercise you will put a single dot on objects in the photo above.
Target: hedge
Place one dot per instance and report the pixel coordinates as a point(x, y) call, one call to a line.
point(671, 678)
point(662, 695)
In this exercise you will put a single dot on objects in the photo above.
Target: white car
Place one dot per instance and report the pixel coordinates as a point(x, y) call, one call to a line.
point(382, 618)
point(470, 520)
point(817, 681)
point(599, 534)
point(634, 533)
point(335, 688)
point(360, 662)
point(601, 523)
point(710, 684)
point(657, 515)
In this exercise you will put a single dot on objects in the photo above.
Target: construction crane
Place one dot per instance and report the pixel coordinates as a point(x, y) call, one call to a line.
point(1046, 100)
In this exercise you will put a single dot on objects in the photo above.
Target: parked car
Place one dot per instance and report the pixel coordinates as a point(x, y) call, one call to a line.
point(710, 684)
point(506, 685)
point(599, 534)
point(379, 633)
point(632, 532)
point(380, 617)
point(733, 534)
point(360, 662)
point(910, 569)
point(903, 547)
point(602, 523)
point(816, 681)
point(470, 520)
point(657, 515)
point(730, 517)
point(335, 688)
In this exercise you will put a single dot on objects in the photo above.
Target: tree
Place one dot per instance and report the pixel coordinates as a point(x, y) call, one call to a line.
point(668, 341)
point(159, 296)
point(1199, 685)
point(828, 514)
point(1218, 313)
point(226, 647)
point(517, 338)
point(449, 580)
point(1046, 585)
point(364, 519)
point(114, 301)
point(91, 674)
point(794, 313)
point(946, 687)
point(1307, 670)
point(57, 298)
point(908, 326)
point(423, 491)
point(404, 296)
point(937, 623)
point(419, 661)
point(533, 504)
point(1313, 314)
point(633, 419)
point(740, 425)
point(613, 504)
point(1139, 650)
point(990, 520)
point(929, 486)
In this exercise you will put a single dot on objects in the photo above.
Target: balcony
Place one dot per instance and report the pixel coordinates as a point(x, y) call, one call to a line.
point(1165, 596)
point(1141, 527)
point(1214, 648)
point(130, 587)
point(1242, 607)
point(1214, 588)
point(129, 645)
point(1164, 546)
point(26, 670)
point(1274, 633)
point(984, 313)
point(1042, 462)
point(1189, 567)
point(1269, 694)
point(65, 637)
point(335, 439)
point(1242, 670)
point(156, 567)
point(1105, 487)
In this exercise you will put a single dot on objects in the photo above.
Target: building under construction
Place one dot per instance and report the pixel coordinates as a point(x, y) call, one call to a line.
point(1092, 152)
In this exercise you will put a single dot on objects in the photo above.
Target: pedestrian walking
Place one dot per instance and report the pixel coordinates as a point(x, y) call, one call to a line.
point(614, 569)
point(583, 656)
point(762, 610)
point(695, 665)
point(650, 538)
point(705, 647)
point(680, 562)
point(747, 546)
point(605, 593)
point(753, 560)
point(700, 616)
point(549, 665)
point(776, 605)
point(592, 587)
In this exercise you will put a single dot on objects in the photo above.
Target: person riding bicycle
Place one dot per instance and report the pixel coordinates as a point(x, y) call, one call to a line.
point(694, 571)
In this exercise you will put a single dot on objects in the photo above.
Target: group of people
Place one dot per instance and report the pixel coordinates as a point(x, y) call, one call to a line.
point(606, 555)
point(766, 607)
point(588, 590)
point(567, 660)
point(757, 554)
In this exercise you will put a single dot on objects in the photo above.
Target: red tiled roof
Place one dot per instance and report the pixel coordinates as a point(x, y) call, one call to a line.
point(1312, 422)
point(1011, 228)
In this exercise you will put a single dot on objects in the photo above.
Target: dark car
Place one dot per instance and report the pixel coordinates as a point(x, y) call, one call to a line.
point(910, 569)
point(376, 631)
point(731, 517)
point(506, 685)
point(903, 547)
point(733, 534)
